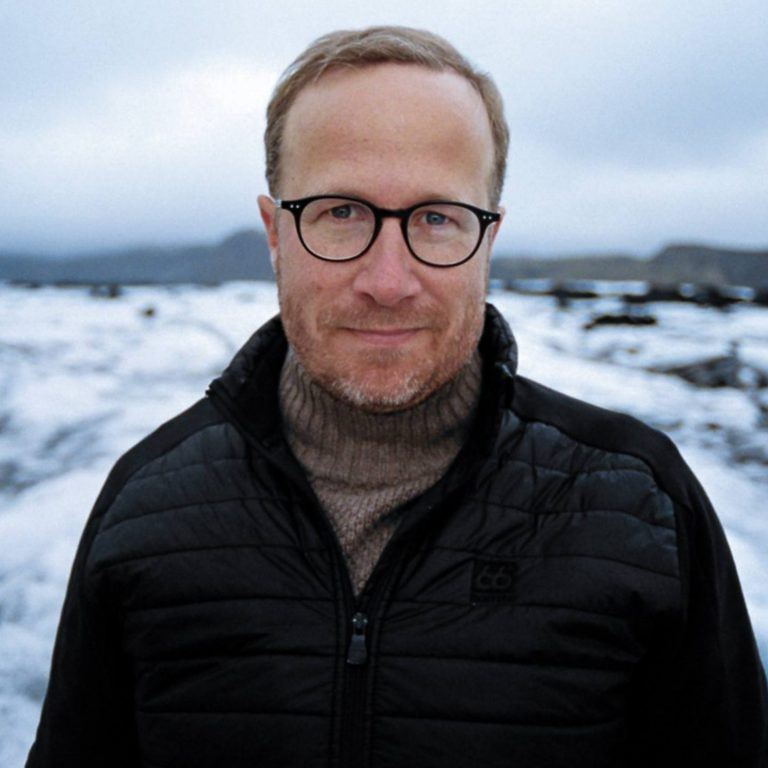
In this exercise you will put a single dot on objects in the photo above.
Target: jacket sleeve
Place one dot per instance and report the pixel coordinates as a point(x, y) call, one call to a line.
point(87, 718)
point(705, 702)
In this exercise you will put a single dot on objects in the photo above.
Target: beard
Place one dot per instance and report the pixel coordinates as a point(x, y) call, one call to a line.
point(380, 379)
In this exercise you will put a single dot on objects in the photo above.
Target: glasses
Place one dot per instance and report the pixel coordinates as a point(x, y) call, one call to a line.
point(438, 233)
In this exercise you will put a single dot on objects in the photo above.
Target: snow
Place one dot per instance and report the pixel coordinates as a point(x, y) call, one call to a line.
point(82, 378)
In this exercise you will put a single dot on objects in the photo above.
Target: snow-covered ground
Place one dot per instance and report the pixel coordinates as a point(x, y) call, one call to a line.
point(82, 378)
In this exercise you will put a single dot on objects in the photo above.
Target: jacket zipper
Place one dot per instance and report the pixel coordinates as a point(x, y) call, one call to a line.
point(353, 705)
point(357, 669)
point(357, 653)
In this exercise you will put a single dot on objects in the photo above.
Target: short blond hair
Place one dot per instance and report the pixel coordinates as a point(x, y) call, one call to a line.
point(355, 49)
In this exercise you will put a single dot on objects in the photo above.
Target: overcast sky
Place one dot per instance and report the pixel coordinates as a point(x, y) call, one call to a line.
point(634, 123)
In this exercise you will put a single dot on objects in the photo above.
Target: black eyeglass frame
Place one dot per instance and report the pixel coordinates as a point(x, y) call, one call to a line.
point(296, 207)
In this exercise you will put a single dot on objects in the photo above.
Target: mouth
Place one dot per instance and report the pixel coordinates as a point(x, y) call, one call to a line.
point(384, 336)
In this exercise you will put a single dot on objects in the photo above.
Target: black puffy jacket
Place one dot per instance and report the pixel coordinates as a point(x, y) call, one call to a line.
point(564, 596)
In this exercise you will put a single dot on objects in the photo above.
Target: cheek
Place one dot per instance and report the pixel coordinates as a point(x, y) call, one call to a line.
point(466, 289)
point(466, 303)
point(307, 291)
point(295, 268)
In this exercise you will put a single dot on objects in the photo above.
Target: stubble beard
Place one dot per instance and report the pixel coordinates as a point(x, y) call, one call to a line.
point(387, 387)
point(404, 390)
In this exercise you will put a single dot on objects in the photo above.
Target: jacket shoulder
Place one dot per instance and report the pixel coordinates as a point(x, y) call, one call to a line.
point(608, 431)
point(154, 447)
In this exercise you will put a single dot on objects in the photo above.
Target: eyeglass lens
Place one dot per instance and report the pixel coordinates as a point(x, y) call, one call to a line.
point(438, 233)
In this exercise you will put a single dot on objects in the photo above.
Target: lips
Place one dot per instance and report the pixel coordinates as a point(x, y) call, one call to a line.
point(384, 336)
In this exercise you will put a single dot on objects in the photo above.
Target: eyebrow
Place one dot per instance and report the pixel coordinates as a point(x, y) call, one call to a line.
point(436, 196)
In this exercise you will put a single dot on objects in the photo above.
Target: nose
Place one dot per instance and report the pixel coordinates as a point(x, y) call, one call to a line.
point(387, 271)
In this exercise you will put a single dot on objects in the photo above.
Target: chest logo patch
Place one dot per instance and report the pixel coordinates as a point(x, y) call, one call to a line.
point(493, 580)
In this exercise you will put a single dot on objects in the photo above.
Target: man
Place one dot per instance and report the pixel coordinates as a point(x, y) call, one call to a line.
point(372, 543)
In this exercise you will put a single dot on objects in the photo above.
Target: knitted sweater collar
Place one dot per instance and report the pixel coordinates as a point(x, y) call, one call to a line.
point(343, 444)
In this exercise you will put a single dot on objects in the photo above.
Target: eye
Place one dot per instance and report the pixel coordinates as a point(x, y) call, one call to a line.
point(438, 217)
point(344, 210)
point(435, 219)
point(336, 212)
point(341, 211)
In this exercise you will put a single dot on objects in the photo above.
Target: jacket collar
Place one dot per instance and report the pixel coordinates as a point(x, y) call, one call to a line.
point(250, 382)
point(497, 344)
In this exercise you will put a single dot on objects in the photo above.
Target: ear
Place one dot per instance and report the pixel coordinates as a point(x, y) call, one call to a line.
point(494, 228)
point(268, 211)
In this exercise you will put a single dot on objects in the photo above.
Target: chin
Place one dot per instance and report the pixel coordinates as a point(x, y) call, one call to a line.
point(381, 391)
point(376, 400)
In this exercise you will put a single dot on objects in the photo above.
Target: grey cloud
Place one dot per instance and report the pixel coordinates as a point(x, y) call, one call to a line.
point(684, 84)
point(668, 96)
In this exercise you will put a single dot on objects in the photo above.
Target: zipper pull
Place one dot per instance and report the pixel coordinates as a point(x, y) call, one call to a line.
point(357, 653)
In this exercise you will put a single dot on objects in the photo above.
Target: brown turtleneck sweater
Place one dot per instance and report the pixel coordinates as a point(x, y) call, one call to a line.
point(361, 465)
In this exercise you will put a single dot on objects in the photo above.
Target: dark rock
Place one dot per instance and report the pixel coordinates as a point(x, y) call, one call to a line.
point(721, 371)
point(109, 291)
point(712, 296)
point(655, 293)
point(625, 319)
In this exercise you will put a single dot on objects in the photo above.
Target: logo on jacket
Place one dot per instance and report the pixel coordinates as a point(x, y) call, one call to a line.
point(493, 580)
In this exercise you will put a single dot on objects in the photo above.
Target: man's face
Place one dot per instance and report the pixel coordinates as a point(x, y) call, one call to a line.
point(384, 331)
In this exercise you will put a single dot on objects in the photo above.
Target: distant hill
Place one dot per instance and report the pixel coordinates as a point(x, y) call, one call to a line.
point(241, 256)
point(244, 256)
point(712, 265)
point(674, 264)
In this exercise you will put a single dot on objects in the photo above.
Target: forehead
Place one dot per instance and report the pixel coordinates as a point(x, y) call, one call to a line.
point(393, 128)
